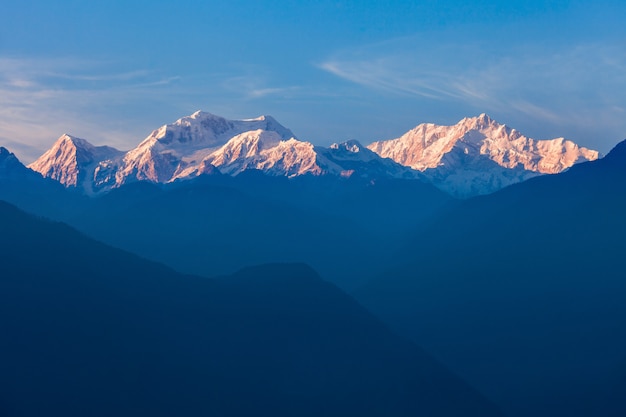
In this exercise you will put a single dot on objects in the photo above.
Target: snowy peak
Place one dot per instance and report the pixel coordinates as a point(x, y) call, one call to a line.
point(479, 155)
point(75, 141)
point(270, 148)
point(267, 153)
point(351, 150)
point(184, 148)
point(270, 124)
point(206, 144)
point(351, 158)
point(202, 130)
point(424, 147)
point(351, 146)
point(245, 145)
point(69, 159)
point(67, 141)
point(482, 121)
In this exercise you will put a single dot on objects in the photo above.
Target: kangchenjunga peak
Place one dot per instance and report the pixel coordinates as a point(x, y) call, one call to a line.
point(478, 155)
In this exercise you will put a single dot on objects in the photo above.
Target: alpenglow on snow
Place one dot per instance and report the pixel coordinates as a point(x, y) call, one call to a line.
point(475, 156)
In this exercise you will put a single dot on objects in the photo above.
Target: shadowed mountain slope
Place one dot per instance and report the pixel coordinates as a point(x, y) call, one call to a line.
point(343, 227)
point(31, 192)
point(217, 224)
point(522, 291)
point(92, 330)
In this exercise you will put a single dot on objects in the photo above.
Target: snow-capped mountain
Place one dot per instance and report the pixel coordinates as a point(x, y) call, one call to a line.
point(479, 155)
point(180, 149)
point(475, 156)
point(72, 161)
point(351, 158)
point(204, 143)
point(200, 143)
point(173, 151)
point(265, 152)
point(293, 158)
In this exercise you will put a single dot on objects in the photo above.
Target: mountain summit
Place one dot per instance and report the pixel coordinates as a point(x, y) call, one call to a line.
point(173, 151)
point(479, 155)
point(180, 149)
point(72, 161)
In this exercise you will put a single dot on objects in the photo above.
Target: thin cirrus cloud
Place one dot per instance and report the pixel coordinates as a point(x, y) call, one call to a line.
point(472, 76)
point(257, 87)
point(46, 97)
point(571, 86)
point(29, 72)
point(43, 98)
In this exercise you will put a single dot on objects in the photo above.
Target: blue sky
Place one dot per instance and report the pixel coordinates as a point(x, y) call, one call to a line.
point(111, 71)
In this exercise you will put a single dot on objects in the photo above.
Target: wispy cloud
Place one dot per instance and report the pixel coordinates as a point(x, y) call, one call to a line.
point(388, 74)
point(46, 97)
point(123, 76)
point(269, 91)
point(257, 87)
point(574, 84)
point(43, 98)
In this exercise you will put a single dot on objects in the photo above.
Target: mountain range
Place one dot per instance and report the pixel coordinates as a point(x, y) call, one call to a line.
point(479, 155)
point(475, 156)
point(518, 292)
point(241, 220)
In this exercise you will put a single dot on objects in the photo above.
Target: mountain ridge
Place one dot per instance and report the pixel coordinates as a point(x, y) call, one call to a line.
point(478, 155)
point(72, 161)
point(475, 156)
point(200, 144)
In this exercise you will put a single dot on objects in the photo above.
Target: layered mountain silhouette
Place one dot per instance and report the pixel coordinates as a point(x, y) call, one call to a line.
point(522, 291)
point(91, 330)
point(344, 227)
point(217, 224)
